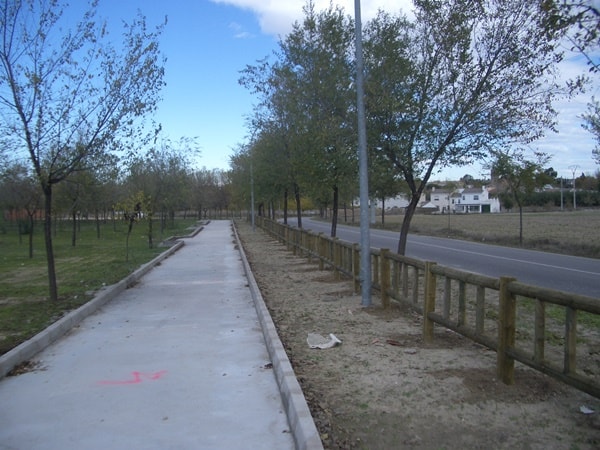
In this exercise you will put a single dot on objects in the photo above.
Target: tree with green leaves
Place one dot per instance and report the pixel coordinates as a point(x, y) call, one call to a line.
point(318, 53)
point(592, 124)
point(386, 63)
point(475, 77)
point(161, 175)
point(134, 208)
point(306, 109)
point(276, 152)
point(520, 176)
point(68, 96)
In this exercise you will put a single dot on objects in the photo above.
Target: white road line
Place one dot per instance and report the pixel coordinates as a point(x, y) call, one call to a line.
point(508, 259)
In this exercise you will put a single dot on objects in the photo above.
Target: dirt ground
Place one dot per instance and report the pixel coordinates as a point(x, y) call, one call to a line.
point(384, 388)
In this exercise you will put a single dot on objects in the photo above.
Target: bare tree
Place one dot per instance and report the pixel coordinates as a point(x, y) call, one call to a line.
point(475, 78)
point(69, 97)
point(520, 176)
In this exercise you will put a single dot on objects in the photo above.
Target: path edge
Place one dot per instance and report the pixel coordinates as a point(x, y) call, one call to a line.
point(304, 430)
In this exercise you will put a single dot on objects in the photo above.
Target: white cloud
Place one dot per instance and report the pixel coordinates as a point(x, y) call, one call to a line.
point(276, 17)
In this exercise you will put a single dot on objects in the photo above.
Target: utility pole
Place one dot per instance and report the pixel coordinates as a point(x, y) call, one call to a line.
point(365, 245)
point(574, 169)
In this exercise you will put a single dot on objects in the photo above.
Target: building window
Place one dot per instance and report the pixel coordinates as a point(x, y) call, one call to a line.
point(476, 197)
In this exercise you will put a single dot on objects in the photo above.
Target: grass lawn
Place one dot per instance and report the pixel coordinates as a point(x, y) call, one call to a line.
point(81, 270)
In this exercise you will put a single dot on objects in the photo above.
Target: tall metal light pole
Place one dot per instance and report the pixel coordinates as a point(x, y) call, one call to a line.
point(252, 195)
point(365, 245)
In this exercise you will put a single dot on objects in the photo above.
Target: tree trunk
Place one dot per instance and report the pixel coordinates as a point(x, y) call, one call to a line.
point(15, 215)
point(334, 212)
point(31, 223)
point(49, 247)
point(97, 216)
point(382, 211)
point(150, 238)
point(298, 205)
point(74, 229)
point(127, 244)
point(520, 224)
point(408, 215)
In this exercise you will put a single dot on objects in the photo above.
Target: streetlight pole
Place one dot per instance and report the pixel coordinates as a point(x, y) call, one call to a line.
point(365, 245)
point(252, 194)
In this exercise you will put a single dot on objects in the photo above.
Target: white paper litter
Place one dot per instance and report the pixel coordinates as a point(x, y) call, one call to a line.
point(585, 410)
point(317, 341)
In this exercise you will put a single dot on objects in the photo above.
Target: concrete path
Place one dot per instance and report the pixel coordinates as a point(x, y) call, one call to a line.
point(179, 361)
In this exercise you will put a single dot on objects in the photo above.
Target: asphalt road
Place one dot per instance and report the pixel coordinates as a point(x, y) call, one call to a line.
point(551, 270)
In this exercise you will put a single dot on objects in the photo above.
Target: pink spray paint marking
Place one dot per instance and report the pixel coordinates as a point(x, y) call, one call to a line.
point(138, 377)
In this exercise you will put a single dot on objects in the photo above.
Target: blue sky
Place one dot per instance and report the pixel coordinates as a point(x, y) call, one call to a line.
point(208, 42)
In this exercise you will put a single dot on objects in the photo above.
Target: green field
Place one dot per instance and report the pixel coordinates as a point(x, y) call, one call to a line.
point(567, 232)
point(81, 270)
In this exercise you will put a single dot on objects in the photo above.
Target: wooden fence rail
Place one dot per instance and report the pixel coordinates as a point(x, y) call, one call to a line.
point(514, 319)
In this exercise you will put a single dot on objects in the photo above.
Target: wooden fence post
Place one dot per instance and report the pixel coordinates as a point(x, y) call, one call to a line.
point(505, 365)
point(570, 366)
point(447, 297)
point(540, 331)
point(462, 303)
point(320, 251)
point(356, 268)
point(337, 263)
point(404, 281)
point(375, 268)
point(385, 277)
point(480, 310)
point(429, 301)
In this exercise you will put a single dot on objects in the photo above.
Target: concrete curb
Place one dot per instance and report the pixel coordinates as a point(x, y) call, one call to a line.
point(304, 430)
point(26, 350)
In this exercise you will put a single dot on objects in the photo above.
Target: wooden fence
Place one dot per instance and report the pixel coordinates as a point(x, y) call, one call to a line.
point(539, 327)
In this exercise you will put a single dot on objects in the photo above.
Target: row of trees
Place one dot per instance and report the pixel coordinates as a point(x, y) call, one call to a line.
point(462, 81)
point(76, 107)
point(156, 186)
point(70, 99)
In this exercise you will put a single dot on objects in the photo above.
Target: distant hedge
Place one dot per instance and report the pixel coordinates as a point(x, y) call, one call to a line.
point(552, 199)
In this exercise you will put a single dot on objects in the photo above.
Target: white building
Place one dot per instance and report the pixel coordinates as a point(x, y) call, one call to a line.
point(476, 200)
point(401, 201)
point(460, 201)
